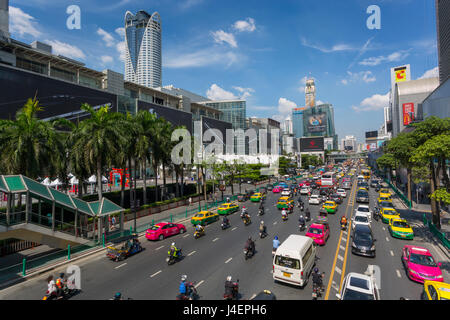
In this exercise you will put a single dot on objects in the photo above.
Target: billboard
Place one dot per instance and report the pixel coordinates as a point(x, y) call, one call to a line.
point(408, 113)
point(311, 144)
point(316, 123)
point(371, 134)
point(174, 116)
point(400, 74)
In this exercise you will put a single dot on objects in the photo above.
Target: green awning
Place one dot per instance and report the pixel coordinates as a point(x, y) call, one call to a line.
point(15, 184)
point(62, 198)
point(37, 188)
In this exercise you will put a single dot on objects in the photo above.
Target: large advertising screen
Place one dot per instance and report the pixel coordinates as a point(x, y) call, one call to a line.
point(56, 97)
point(311, 144)
point(222, 126)
point(408, 113)
point(371, 134)
point(400, 74)
point(174, 116)
point(316, 123)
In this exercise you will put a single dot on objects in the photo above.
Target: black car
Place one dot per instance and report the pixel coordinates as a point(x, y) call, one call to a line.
point(336, 198)
point(323, 191)
point(363, 242)
point(242, 197)
point(363, 184)
point(313, 185)
point(250, 192)
point(362, 196)
point(374, 183)
point(269, 187)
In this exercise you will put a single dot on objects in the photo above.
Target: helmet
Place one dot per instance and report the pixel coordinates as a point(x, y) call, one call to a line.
point(183, 277)
point(316, 270)
point(249, 238)
point(229, 278)
point(173, 244)
point(262, 222)
point(276, 238)
point(61, 275)
point(118, 295)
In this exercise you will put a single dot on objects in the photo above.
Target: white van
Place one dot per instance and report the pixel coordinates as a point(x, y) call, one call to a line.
point(294, 260)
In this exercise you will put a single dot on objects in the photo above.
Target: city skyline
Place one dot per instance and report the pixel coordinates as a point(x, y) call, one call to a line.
point(223, 56)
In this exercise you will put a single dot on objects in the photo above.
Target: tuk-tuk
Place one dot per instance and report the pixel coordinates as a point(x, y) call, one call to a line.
point(123, 247)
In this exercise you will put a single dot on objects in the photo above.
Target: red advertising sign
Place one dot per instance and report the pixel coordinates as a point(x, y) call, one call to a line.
point(408, 113)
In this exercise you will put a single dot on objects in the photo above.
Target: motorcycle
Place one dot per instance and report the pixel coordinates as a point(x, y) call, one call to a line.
point(246, 220)
point(68, 291)
point(248, 253)
point(343, 226)
point(234, 294)
point(198, 234)
point(50, 296)
point(191, 295)
point(262, 234)
point(317, 291)
point(284, 217)
point(302, 207)
point(172, 258)
point(301, 226)
point(260, 212)
point(225, 226)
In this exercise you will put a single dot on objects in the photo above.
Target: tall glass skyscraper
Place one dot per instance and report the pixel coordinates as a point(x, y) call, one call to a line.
point(143, 49)
point(297, 121)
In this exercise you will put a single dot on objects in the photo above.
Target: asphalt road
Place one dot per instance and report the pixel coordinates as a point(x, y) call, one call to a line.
point(210, 259)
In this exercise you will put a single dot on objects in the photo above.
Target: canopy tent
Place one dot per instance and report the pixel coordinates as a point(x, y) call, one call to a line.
point(74, 180)
point(56, 182)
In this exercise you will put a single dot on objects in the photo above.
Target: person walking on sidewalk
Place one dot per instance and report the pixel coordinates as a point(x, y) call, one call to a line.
point(190, 201)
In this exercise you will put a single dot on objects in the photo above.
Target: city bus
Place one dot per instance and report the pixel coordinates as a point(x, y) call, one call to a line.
point(365, 173)
point(327, 179)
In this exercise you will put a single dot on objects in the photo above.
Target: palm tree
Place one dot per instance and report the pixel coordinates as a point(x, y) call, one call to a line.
point(99, 139)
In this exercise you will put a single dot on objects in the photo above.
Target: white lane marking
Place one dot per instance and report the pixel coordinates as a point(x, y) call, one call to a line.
point(228, 260)
point(120, 266)
point(186, 236)
point(340, 257)
point(384, 228)
point(275, 223)
point(160, 248)
point(234, 228)
point(387, 239)
point(215, 239)
point(398, 273)
point(334, 286)
point(155, 273)
point(338, 270)
point(254, 295)
point(192, 253)
point(392, 253)
point(344, 239)
point(342, 247)
point(198, 284)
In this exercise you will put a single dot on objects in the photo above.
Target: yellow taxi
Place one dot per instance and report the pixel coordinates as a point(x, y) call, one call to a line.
point(227, 208)
point(256, 197)
point(400, 228)
point(284, 202)
point(330, 206)
point(380, 199)
point(388, 214)
point(204, 218)
point(385, 193)
point(362, 188)
point(435, 290)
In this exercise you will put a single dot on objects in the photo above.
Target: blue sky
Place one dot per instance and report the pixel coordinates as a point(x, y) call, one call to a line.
point(256, 49)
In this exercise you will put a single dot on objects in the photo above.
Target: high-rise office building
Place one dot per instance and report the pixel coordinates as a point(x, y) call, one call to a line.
point(318, 121)
point(297, 122)
point(443, 38)
point(4, 18)
point(310, 93)
point(143, 49)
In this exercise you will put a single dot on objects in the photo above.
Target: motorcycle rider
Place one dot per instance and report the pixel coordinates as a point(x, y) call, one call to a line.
point(250, 245)
point(199, 228)
point(302, 222)
point(174, 251)
point(275, 243)
point(344, 221)
point(51, 286)
point(261, 207)
point(262, 228)
point(307, 214)
point(317, 278)
point(243, 212)
point(225, 221)
point(59, 285)
point(231, 288)
point(118, 296)
point(185, 289)
point(284, 213)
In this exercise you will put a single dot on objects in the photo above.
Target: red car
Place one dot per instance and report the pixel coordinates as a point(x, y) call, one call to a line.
point(420, 264)
point(304, 183)
point(163, 230)
point(319, 233)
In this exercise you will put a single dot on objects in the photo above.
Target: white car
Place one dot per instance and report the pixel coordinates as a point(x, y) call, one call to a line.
point(286, 192)
point(342, 193)
point(364, 209)
point(360, 218)
point(357, 286)
point(314, 199)
point(304, 190)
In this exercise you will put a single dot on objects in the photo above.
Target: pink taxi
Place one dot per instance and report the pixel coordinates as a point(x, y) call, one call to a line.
point(420, 264)
point(163, 230)
point(319, 233)
point(277, 189)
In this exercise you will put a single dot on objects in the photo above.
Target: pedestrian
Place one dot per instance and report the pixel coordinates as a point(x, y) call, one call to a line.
point(113, 222)
point(190, 201)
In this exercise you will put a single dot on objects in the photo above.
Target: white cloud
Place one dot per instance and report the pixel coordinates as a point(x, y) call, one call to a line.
point(217, 93)
point(106, 59)
point(120, 47)
point(190, 3)
point(335, 48)
point(120, 32)
point(66, 49)
point(107, 38)
point(393, 57)
point(201, 58)
point(22, 23)
point(222, 36)
point(285, 106)
point(365, 76)
point(245, 25)
point(245, 92)
point(373, 103)
point(319, 102)
point(432, 73)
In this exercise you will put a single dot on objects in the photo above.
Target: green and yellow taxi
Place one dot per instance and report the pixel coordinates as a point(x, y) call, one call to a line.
point(384, 192)
point(284, 202)
point(362, 188)
point(400, 228)
point(330, 206)
point(435, 290)
point(227, 208)
point(381, 199)
point(388, 214)
point(256, 197)
point(204, 218)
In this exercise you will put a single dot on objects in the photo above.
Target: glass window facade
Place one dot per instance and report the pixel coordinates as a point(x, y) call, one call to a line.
point(232, 111)
point(297, 122)
point(90, 82)
point(26, 64)
point(63, 74)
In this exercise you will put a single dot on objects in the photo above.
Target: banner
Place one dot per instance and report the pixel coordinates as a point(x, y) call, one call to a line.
point(311, 144)
point(317, 123)
point(408, 113)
